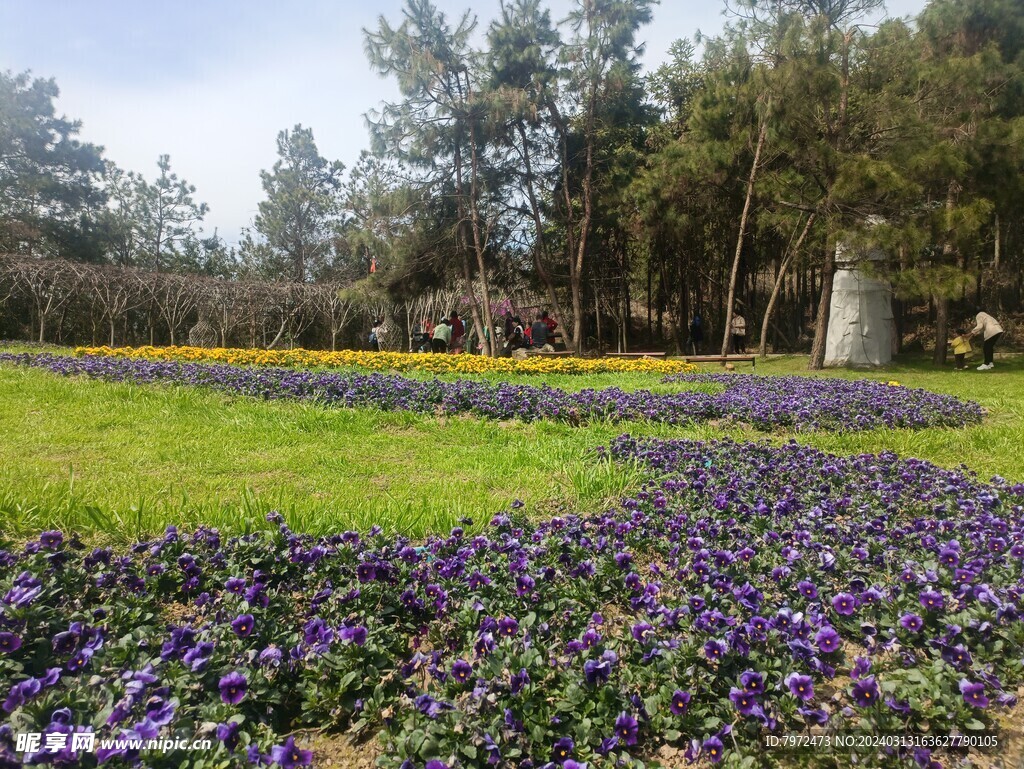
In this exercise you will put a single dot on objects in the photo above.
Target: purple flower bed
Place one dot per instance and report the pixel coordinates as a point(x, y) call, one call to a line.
point(749, 590)
point(819, 403)
point(764, 402)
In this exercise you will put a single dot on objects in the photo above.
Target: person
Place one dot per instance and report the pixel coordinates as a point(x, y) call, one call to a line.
point(442, 336)
point(739, 333)
point(539, 333)
point(421, 337)
point(516, 340)
point(510, 324)
point(696, 334)
point(991, 332)
point(550, 322)
point(479, 347)
point(375, 332)
point(458, 329)
point(961, 346)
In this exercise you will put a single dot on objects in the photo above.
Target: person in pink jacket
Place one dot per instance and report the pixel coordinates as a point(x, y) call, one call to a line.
point(991, 332)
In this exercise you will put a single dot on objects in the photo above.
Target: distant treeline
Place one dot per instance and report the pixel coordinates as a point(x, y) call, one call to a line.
point(537, 160)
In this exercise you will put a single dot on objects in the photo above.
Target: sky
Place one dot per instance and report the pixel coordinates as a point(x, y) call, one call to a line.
point(212, 82)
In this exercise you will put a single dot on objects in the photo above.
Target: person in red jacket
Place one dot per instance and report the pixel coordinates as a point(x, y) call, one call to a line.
point(552, 324)
point(458, 332)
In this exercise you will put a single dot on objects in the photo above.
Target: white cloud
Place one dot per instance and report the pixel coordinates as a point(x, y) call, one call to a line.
point(221, 130)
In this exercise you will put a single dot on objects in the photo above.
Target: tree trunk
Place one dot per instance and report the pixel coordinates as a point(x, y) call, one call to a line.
point(726, 336)
point(942, 302)
point(650, 330)
point(479, 247)
point(779, 280)
point(576, 271)
point(540, 252)
point(817, 361)
point(941, 329)
point(280, 333)
point(996, 253)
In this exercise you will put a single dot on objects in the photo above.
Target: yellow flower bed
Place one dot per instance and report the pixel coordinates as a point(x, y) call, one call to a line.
point(397, 361)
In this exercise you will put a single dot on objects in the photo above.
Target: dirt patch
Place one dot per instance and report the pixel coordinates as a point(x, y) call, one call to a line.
point(1010, 753)
point(178, 613)
point(340, 750)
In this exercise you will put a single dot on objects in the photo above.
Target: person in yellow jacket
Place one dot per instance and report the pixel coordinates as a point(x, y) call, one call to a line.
point(961, 347)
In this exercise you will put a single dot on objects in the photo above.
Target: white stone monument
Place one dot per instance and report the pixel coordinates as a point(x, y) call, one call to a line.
point(860, 326)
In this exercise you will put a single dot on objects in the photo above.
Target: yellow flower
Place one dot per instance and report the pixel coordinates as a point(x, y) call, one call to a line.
point(395, 361)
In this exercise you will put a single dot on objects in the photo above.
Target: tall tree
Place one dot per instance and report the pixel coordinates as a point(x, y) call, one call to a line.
point(437, 128)
point(830, 127)
point(970, 80)
point(301, 210)
point(522, 69)
point(49, 179)
point(167, 216)
point(601, 57)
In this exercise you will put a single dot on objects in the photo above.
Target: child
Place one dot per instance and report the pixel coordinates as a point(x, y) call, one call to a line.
point(961, 346)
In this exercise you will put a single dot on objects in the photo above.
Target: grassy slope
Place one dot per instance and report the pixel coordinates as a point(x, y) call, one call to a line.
point(127, 460)
point(995, 447)
point(141, 455)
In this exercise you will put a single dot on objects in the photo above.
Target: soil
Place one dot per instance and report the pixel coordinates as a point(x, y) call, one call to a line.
point(338, 750)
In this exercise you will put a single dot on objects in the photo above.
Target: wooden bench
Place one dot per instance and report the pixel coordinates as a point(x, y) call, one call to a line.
point(723, 359)
point(555, 354)
point(635, 354)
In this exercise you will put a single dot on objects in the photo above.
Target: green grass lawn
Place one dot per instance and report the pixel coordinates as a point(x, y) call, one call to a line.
point(124, 461)
point(995, 447)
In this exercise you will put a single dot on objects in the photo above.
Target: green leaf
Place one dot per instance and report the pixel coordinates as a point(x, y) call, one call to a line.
point(348, 679)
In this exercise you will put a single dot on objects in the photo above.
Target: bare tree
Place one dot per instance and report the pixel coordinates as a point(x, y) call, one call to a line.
point(7, 279)
point(113, 293)
point(288, 304)
point(334, 307)
point(226, 300)
point(49, 284)
point(174, 296)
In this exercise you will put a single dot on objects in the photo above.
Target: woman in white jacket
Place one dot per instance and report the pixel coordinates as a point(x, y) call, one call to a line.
point(991, 332)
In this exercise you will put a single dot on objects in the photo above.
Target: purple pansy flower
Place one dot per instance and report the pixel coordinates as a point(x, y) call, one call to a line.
point(801, 686)
point(911, 622)
point(680, 702)
point(461, 671)
point(290, 755)
point(626, 728)
point(508, 627)
point(713, 749)
point(563, 749)
point(9, 643)
point(228, 734)
point(752, 682)
point(243, 625)
point(865, 691)
point(844, 604)
point(827, 639)
point(233, 687)
point(973, 693)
